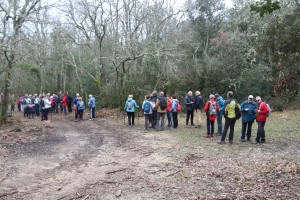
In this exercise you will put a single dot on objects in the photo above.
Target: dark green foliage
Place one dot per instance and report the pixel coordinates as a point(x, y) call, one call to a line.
point(265, 7)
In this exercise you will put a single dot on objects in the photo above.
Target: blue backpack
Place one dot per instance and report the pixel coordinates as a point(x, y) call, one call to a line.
point(147, 107)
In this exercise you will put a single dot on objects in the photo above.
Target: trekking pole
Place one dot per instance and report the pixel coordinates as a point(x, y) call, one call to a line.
point(124, 117)
point(138, 116)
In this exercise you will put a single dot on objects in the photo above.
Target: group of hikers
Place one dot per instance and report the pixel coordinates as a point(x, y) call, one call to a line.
point(157, 106)
point(43, 104)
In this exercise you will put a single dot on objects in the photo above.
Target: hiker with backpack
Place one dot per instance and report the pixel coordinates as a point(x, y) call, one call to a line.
point(220, 102)
point(211, 108)
point(79, 108)
point(262, 112)
point(175, 108)
point(231, 115)
point(92, 106)
point(129, 107)
point(189, 103)
point(161, 106)
point(198, 105)
point(248, 108)
point(147, 108)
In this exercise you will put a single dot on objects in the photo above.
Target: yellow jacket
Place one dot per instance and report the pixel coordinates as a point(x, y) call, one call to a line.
point(230, 109)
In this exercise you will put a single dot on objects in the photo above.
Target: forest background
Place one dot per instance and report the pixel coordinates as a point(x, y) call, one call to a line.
point(114, 48)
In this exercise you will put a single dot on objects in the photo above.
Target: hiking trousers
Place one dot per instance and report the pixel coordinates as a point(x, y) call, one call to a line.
point(130, 116)
point(229, 123)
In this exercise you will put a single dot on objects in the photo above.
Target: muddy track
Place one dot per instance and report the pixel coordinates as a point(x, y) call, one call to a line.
point(95, 159)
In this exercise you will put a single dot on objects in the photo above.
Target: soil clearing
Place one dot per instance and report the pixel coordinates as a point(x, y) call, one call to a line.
point(103, 159)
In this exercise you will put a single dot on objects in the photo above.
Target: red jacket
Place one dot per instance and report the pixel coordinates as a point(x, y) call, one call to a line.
point(169, 105)
point(206, 109)
point(64, 100)
point(262, 116)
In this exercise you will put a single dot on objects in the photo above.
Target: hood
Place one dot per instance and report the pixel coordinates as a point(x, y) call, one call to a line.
point(129, 99)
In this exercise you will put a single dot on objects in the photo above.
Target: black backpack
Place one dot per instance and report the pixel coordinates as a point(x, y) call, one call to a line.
point(163, 103)
point(42, 103)
point(238, 112)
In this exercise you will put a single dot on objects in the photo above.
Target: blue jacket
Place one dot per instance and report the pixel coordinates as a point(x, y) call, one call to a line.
point(92, 102)
point(220, 102)
point(250, 115)
point(133, 105)
point(78, 105)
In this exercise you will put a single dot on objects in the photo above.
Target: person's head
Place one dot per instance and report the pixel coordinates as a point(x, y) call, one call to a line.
point(229, 94)
point(211, 96)
point(161, 94)
point(79, 98)
point(250, 98)
point(190, 93)
point(258, 99)
point(154, 93)
point(217, 95)
point(197, 93)
point(174, 97)
point(147, 97)
point(90, 96)
point(130, 96)
point(77, 95)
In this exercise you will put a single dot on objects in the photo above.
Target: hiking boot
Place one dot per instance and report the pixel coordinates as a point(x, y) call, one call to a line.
point(221, 142)
point(255, 142)
point(208, 136)
point(243, 140)
point(212, 135)
point(230, 142)
point(263, 141)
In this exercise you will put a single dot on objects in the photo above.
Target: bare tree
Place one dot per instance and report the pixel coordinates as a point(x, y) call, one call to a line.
point(15, 13)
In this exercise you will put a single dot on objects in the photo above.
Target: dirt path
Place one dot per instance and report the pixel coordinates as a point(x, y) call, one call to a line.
point(89, 159)
point(103, 159)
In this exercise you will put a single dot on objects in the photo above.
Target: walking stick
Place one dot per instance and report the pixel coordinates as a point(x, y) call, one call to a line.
point(138, 116)
point(124, 117)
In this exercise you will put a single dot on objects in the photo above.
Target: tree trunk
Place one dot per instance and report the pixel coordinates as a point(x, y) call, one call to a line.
point(7, 88)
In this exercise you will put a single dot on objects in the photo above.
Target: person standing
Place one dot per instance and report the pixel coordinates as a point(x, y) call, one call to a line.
point(189, 103)
point(161, 106)
point(211, 108)
point(46, 107)
point(37, 102)
point(220, 102)
point(75, 105)
point(175, 110)
point(198, 105)
point(248, 108)
point(92, 105)
point(69, 101)
point(261, 118)
point(154, 112)
point(169, 113)
point(64, 103)
point(147, 108)
point(80, 108)
point(129, 107)
point(230, 117)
